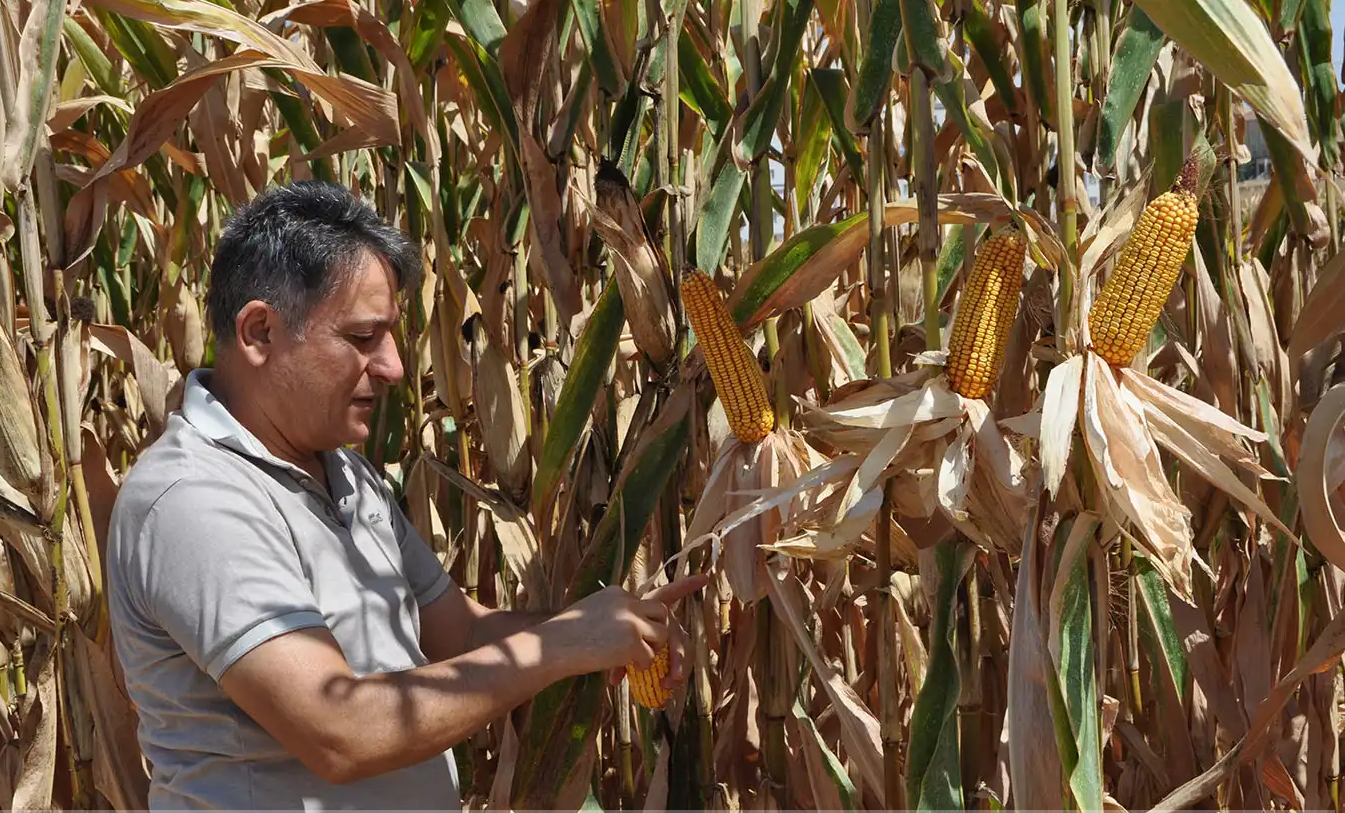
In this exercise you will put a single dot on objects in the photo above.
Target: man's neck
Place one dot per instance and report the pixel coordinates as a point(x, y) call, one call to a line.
point(253, 416)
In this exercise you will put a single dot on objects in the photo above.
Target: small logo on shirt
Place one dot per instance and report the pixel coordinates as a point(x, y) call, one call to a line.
point(375, 518)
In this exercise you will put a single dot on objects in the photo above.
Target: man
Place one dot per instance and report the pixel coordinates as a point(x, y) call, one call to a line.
point(288, 639)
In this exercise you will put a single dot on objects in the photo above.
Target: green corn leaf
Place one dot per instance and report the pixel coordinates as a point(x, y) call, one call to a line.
point(142, 46)
point(592, 356)
point(427, 33)
point(953, 253)
point(92, 57)
point(487, 83)
point(1153, 593)
point(920, 24)
point(763, 115)
point(1073, 640)
point(712, 232)
point(875, 72)
point(933, 773)
point(1166, 122)
point(1291, 12)
point(1292, 175)
point(351, 54)
point(1136, 53)
point(831, 87)
point(1228, 38)
point(482, 22)
point(598, 46)
point(780, 265)
point(639, 486)
point(1315, 38)
point(815, 128)
point(32, 97)
point(561, 722)
point(834, 767)
point(981, 34)
point(1032, 37)
point(699, 88)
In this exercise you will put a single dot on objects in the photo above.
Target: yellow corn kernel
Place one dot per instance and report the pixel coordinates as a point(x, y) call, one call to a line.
point(1129, 304)
point(646, 685)
point(738, 378)
point(985, 313)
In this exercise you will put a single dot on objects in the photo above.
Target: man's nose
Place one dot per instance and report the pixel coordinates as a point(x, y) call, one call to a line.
point(386, 363)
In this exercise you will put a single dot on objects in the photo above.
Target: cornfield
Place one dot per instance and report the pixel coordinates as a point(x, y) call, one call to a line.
point(1013, 495)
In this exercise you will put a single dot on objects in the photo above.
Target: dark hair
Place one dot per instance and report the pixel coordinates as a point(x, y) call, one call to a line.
point(291, 245)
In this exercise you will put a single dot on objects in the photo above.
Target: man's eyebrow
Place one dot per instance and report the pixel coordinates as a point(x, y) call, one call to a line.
point(372, 321)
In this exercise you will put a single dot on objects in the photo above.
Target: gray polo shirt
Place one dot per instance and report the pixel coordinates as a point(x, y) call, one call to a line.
point(215, 546)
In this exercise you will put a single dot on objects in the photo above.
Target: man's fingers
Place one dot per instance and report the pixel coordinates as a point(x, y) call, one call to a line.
point(653, 633)
point(655, 611)
point(673, 592)
point(677, 647)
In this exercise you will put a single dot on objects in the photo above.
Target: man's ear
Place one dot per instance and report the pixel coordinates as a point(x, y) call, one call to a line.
point(257, 329)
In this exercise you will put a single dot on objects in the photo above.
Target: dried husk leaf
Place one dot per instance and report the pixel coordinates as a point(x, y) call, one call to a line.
point(118, 772)
point(646, 286)
point(186, 333)
point(1059, 412)
point(37, 731)
point(499, 407)
point(544, 226)
point(20, 454)
point(1140, 488)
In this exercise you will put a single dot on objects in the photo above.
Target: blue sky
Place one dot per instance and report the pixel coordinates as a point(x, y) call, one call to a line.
point(1337, 31)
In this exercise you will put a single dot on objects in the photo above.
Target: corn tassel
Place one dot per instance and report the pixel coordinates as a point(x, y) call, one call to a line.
point(646, 685)
point(986, 313)
point(1130, 302)
point(737, 376)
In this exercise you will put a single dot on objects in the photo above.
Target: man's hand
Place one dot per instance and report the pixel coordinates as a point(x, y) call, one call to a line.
point(661, 602)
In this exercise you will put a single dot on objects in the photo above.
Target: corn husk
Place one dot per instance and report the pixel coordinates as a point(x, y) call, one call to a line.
point(20, 455)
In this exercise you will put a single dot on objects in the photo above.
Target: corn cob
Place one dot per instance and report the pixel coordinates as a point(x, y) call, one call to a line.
point(646, 685)
point(986, 313)
point(1128, 306)
point(738, 378)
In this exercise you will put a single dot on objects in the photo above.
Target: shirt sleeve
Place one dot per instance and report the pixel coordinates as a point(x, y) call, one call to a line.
point(424, 572)
point(221, 572)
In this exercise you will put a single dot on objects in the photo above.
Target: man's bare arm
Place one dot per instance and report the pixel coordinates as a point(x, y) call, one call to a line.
point(300, 689)
point(453, 624)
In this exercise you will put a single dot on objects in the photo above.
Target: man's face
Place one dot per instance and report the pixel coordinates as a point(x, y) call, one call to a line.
point(330, 381)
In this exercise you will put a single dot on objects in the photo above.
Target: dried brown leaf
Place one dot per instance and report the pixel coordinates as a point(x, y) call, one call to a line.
point(37, 732)
point(544, 224)
point(525, 52)
point(1319, 479)
point(1036, 775)
point(1320, 317)
point(859, 728)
